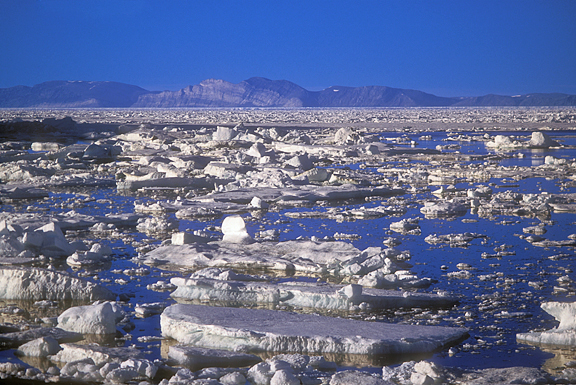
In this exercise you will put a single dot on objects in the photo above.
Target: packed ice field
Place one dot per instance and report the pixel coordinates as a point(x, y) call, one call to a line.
point(288, 246)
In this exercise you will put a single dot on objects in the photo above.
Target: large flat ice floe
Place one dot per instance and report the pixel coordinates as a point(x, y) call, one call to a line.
point(41, 284)
point(251, 330)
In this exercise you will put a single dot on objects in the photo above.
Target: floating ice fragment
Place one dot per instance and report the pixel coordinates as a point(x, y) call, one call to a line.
point(94, 319)
point(254, 330)
point(321, 296)
point(98, 354)
point(40, 347)
point(443, 209)
point(234, 230)
point(541, 140)
point(149, 309)
point(161, 286)
point(41, 284)
point(349, 377)
point(564, 334)
point(196, 358)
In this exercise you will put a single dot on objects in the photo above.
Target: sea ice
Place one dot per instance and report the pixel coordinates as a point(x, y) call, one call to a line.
point(443, 209)
point(564, 334)
point(40, 347)
point(195, 358)
point(352, 377)
point(305, 256)
point(253, 330)
point(40, 284)
point(541, 140)
point(93, 363)
point(93, 319)
point(234, 230)
point(317, 296)
point(18, 338)
point(99, 354)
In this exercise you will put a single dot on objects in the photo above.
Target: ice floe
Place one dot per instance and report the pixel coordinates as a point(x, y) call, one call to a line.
point(254, 330)
point(41, 284)
point(91, 319)
point(563, 335)
point(324, 296)
point(195, 357)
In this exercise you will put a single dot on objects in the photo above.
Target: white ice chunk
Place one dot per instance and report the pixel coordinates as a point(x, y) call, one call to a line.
point(54, 243)
point(234, 230)
point(92, 319)
point(541, 140)
point(258, 203)
point(141, 366)
point(284, 377)
point(443, 209)
point(184, 238)
point(85, 259)
point(234, 378)
point(224, 133)
point(40, 347)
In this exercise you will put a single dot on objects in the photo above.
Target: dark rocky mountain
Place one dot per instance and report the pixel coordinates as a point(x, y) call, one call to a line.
point(378, 96)
point(254, 92)
point(73, 94)
point(528, 100)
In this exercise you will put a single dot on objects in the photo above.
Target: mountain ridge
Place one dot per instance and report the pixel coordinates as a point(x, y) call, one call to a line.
point(253, 92)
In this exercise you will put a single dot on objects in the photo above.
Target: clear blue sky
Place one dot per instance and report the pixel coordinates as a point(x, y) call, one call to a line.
point(445, 47)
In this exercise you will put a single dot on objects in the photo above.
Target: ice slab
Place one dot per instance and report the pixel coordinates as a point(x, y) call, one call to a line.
point(563, 335)
point(15, 339)
point(172, 182)
point(70, 220)
point(318, 296)
point(254, 330)
point(193, 357)
point(310, 193)
point(443, 209)
point(505, 376)
point(22, 192)
point(305, 256)
point(353, 377)
point(40, 284)
point(100, 354)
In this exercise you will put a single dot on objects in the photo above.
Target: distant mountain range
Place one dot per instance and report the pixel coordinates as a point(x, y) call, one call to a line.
point(254, 92)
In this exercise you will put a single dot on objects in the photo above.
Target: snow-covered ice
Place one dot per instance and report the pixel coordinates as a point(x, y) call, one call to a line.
point(91, 319)
point(563, 335)
point(315, 296)
point(41, 284)
point(253, 330)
